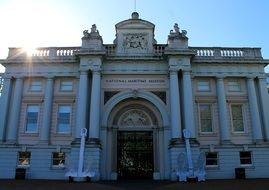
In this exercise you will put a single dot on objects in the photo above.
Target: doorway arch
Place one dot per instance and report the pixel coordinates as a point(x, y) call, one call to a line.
point(135, 112)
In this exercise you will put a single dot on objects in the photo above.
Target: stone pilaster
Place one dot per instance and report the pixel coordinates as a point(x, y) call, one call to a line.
point(264, 105)
point(254, 111)
point(15, 112)
point(4, 105)
point(95, 104)
point(81, 115)
point(45, 127)
point(188, 103)
point(225, 135)
point(175, 115)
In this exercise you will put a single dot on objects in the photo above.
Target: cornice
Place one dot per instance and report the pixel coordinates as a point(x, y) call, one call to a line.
point(229, 60)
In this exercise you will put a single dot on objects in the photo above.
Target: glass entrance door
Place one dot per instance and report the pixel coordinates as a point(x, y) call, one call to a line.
point(135, 155)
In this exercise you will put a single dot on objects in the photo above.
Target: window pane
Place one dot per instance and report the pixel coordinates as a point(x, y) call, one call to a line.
point(32, 118)
point(203, 85)
point(245, 158)
point(58, 158)
point(64, 112)
point(234, 86)
point(36, 86)
point(66, 86)
point(211, 158)
point(24, 158)
point(205, 118)
point(237, 118)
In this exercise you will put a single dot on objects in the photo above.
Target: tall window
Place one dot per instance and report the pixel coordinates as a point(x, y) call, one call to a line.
point(35, 86)
point(63, 120)
point(58, 159)
point(237, 118)
point(24, 158)
point(211, 159)
point(66, 85)
point(205, 114)
point(245, 158)
point(32, 118)
point(203, 85)
point(234, 86)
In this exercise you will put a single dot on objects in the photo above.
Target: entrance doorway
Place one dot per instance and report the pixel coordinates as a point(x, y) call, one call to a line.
point(135, 154)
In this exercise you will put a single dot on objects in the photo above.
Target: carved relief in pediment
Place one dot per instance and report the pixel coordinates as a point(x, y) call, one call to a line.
point(134, 118)
point(138, 41)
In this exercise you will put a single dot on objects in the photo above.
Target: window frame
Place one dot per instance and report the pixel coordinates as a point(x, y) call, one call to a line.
point(37, 119)
point(26, 158)
point(58, 159)
point(245, 158)
point(203, 81)
point(212, 118)
point(57, 119)
point(230, 87)
point(62, 86)
point(217, 159)
point(31, 89)
point(243, 118)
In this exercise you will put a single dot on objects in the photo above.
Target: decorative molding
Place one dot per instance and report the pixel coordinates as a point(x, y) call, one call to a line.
point(138, 41)
point(134, 117)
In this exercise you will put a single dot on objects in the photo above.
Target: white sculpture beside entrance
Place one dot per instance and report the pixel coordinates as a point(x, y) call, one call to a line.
point(81, 175)
point(185, 164)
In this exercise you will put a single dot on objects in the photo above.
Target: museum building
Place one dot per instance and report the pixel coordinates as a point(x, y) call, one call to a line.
point(135, 97)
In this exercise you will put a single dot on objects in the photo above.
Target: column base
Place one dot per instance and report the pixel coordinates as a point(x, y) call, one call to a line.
point(258, 141)
point(194, 141)
point(224, 142)
point(175, 142)
point(11, 142)
point(94, 141)
point(44, 142)
point(76, 141)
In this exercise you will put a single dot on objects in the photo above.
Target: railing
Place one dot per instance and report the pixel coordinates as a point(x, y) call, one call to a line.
point(215, 52)
point(46, 52)
point(158, 50)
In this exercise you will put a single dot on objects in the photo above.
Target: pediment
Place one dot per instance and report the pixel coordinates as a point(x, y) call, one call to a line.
point(135, 24)
point(134, 37)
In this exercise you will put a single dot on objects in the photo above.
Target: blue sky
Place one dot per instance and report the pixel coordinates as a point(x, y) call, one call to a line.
point(210, 23)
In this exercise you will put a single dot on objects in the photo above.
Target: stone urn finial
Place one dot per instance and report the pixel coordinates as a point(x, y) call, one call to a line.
point(135, 15)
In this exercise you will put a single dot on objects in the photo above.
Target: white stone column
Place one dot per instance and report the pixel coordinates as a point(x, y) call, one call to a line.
point(175, 104)
point(264, 105)
point(188, 104)
point(255, 116)
point(4, 105)
point(225, 135)
point(95, 104)
point(81, 115)
point(15, 111)
point(45, 127)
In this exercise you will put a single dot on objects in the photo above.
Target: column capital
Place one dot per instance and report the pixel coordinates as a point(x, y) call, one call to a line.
point(220, 77)
point(186, 71)
point(4, 76)
point(262, 77)
point(19, 77)
point(96, 69)
point(49, 77)
point(250, 77)
point(83, 71)
point(173, 69)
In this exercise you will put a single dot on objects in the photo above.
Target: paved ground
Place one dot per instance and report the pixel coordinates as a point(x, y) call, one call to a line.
point(253, 184)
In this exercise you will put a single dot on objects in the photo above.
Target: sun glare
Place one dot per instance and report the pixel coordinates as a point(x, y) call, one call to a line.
point(30, 50)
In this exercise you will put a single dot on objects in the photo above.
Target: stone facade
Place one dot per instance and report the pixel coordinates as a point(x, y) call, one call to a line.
point(134, 86)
